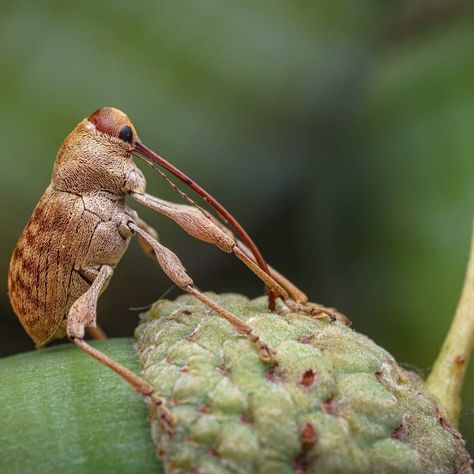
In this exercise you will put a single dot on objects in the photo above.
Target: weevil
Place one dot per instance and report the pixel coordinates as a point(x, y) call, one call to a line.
point(82, 226)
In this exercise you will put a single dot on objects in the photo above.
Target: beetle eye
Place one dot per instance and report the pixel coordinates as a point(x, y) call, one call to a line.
point(126, 134)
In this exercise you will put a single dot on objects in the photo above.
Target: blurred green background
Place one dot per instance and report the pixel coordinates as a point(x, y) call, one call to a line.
point(339, 133)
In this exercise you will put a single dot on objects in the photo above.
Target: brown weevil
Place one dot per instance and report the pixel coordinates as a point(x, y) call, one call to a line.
point(82, 226)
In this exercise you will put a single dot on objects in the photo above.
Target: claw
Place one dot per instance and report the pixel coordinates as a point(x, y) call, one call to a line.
point(166, 417)
point(266, 353)
point(318, 311)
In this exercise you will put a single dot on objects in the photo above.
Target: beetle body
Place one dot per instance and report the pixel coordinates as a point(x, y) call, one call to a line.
point(82, 226)
point(79, 224)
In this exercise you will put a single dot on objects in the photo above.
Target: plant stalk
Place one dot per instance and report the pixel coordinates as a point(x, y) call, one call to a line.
point(447, 377)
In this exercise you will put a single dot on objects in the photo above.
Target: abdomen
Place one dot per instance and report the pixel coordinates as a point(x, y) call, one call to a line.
point(43, 279)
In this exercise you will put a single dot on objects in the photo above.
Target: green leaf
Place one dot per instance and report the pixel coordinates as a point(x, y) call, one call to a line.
point(62, 411)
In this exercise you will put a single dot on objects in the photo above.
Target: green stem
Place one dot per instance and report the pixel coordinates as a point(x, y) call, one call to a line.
point(447, 377)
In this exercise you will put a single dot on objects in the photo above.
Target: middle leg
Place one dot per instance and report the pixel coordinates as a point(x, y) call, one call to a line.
point(175, 270)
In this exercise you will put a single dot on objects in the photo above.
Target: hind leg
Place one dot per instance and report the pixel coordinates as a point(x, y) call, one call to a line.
point(83, 314)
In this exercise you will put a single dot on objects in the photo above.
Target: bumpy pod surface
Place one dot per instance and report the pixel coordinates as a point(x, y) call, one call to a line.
point(335, 403)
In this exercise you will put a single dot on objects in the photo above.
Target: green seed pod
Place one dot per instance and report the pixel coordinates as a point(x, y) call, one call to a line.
point(335, 403)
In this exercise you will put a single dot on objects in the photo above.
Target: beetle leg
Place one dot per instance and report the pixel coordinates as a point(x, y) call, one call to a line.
point(201, 225)
point(295, 293)
point(83, 313)
point(317, 311)
point(146, 247)
point(175, 270)
point(298, 301)
point(96, 333)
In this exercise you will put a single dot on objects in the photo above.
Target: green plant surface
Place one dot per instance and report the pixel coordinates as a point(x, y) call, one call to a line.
point(334, 403)
point(62, 411)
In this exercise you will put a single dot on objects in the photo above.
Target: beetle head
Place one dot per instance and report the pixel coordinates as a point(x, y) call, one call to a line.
point(97, 156)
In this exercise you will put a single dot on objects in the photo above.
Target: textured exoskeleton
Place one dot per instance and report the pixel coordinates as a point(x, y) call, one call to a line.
point(80, 224)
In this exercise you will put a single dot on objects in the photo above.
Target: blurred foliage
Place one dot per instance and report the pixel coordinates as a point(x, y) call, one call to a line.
point(338, 132)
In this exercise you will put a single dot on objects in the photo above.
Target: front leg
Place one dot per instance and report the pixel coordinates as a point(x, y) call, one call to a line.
point(199, 224)
point(83, 314)
point(94, 331)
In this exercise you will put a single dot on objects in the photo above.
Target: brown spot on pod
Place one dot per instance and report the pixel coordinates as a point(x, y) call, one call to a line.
point(308, 434)
point(460, 360)
point(378, 376)
point(402, 431)
point(301, 463)
point(396, 433)
point(308, 378)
